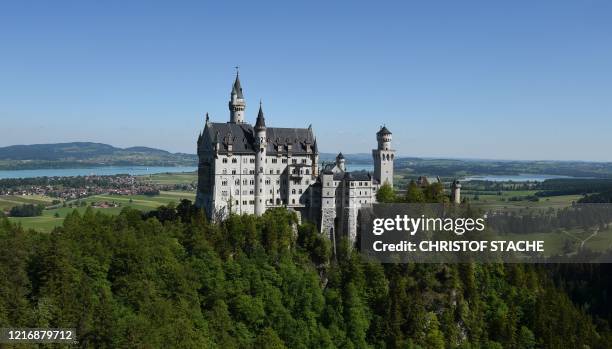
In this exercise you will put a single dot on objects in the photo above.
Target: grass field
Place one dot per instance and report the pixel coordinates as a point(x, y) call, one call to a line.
point(48, 220)
point(171, 178)
point(8, 201)
point(503, 200)
point(575, 239)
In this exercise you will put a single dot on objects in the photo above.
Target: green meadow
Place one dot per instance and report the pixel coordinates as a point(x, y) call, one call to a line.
point(52, 218)
point(504, 201)
point(8, 201)
point(171, 178)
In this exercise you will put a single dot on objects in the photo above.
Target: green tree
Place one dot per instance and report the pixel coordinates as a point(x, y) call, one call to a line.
point(385, 194)
point(414, 194)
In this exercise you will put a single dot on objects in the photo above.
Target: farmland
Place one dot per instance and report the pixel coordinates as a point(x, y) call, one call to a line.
point(54, 217)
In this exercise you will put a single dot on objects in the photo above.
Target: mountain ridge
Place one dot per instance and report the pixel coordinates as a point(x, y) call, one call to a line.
point(82, 154)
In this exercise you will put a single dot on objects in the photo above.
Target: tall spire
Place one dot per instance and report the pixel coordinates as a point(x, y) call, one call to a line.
point(236, 102)
point(236, 88)
point(261, 121)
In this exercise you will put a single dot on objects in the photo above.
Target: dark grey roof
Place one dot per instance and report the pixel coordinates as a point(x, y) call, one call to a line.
point(261, 122)
point(358, 176)
point(237, 88)
point(353, 176)
point(242, 136)
point(384, 131)
point(340, 156)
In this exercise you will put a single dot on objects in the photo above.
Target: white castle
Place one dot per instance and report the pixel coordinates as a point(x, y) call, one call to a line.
point(249, 169)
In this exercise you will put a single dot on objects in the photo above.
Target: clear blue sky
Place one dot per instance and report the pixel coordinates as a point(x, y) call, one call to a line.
point(478, 79)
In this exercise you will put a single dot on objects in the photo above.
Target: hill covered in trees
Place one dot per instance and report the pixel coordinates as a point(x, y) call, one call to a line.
point(170, 279)
point(81, 154)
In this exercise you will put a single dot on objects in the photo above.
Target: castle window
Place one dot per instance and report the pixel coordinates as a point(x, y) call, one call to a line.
point(233, 172)
point(307, 171)
point(251, 171)
point(237, 192)
point(300, 191)
point(294, 161)
point(251, 202)
point(284, 161)
point(223, 182)
point(274, 161)
point(268, 181)
point(237, 202)
point(234, 160)
point(252, 182)
point(303, 161)
point(293, 201)
point(252, 160)
point(237, 182)
point(277, 171)
point(278, 201)
point(244, 202)
point(224, 171)
point(225, 160)
point(251, 192)
point(292, 191)
point(277, 181)
point(271, 171)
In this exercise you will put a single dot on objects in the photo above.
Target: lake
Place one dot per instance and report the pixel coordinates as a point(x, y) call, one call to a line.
point(115, 170)
point(101, 171)
point(523, 177)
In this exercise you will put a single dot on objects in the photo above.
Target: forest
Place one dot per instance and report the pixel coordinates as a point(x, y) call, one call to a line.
point(170, 279)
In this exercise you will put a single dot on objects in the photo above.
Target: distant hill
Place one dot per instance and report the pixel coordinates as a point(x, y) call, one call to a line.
point(84, 154)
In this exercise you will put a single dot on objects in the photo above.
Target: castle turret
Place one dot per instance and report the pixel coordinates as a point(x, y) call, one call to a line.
point(261, 143)
point(237, 103)
point(383, 157)
point(456, 192)
point(341, 162)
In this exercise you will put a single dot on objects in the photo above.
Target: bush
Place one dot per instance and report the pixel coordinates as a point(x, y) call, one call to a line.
point(26, 210)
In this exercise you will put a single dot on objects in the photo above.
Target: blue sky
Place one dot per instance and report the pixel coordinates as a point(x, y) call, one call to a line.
point(467, 79)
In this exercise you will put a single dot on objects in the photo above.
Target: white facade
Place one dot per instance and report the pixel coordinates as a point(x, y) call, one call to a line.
point(248, 169)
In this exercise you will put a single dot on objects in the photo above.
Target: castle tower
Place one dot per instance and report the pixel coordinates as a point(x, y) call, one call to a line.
point(236, 103)
point(261, 144)
point(456, 192)
point(383, 157)
point(341, 162)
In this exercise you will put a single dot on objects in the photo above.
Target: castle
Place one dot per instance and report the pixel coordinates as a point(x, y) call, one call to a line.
point(246, 168)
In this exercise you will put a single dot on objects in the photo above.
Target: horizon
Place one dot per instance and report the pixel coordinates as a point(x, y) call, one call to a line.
point(400, 156)
point(453, 81)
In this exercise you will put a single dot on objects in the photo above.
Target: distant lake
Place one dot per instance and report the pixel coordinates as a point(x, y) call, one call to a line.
point(360, 167)
point(115, 170)
point(100, 171)
point(524, 177)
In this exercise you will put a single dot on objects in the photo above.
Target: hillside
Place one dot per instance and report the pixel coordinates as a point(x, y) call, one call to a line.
point(84, 154)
